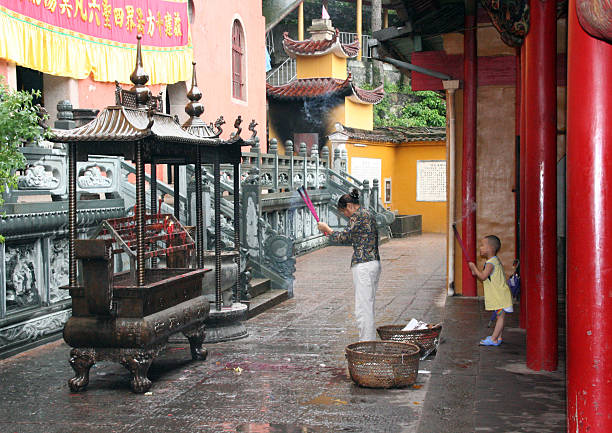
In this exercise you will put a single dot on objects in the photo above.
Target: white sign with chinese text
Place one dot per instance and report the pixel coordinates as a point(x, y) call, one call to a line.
point(366, 168)
point(431, 180)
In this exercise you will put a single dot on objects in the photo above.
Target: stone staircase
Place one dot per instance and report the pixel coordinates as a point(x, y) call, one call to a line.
point(264, 296)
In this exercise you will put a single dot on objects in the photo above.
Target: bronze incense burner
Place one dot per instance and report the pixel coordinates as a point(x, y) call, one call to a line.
point(128, 317)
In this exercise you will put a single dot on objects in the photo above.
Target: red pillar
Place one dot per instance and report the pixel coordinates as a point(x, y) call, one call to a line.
point(589, 230)
point(468, 181)
point(523, 310)
point(541, 186)
point(517, 135)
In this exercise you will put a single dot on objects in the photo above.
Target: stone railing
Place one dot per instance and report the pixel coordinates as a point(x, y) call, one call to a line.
point(46, 173)
point(34, 258)
point(277, 226)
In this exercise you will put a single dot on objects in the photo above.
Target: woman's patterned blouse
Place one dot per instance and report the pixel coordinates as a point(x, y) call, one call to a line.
point(363, 234)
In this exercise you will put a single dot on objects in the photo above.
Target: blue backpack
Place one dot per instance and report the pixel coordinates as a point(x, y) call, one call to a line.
point(514, 282)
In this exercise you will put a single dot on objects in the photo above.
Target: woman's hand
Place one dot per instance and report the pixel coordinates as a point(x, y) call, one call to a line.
point(324, 228)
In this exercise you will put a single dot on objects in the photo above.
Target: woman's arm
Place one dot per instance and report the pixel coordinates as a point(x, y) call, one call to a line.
point(341, 237)
point(324, 228)
point(481, 275)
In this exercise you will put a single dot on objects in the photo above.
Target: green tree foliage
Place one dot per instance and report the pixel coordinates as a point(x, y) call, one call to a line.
point(19, 125)
point(425, 108)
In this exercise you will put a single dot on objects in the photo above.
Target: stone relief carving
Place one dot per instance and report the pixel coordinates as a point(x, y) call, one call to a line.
point(92, 177)
point(58, 272)
point(278, 252)
point(299, 223)
point(253, 176)
point(310, 178)
point(226, 177)
point(21, 279)
point(37, 177)
point(281, 223)
point(308, 224)
point(291, 223)
point(251, 224)
point(266, 179)
point(34, 329)
point(322, 178)
point(283, 179)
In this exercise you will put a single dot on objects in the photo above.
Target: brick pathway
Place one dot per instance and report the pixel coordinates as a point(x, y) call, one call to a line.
point(288, 376)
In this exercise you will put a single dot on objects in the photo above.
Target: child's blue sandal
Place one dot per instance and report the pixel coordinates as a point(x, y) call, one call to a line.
point(489, 342)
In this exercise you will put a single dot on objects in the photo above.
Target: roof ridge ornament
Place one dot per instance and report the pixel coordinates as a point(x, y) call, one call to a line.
point(139, 78)
point(252, 126)
point(216, 127)
point(237, 123)
point(194, 108)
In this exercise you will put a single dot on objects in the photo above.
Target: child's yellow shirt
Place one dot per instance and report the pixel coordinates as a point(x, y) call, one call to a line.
point(496, 291)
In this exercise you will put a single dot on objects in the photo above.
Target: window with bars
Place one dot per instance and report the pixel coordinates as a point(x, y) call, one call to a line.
point(238, 81)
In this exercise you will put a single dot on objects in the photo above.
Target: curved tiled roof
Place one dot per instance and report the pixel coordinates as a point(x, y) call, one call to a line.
point(317, 87)
point(363, 96)
point(314, 48)
point(309, 88)
point(117, 123)
point(395, 134)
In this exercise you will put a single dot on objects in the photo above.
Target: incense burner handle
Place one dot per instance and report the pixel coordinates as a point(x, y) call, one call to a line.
point(96, 256)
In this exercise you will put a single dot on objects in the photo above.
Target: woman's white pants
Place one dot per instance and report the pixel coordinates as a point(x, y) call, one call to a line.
point(365, 280)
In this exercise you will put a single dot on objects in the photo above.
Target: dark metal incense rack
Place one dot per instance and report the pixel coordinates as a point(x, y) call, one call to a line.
point(127, 317)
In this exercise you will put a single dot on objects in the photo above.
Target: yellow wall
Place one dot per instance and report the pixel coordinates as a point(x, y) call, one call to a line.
point(327, 66)
point(399, 162)
point(381, 151)
point(358, 115)
point(404, 184)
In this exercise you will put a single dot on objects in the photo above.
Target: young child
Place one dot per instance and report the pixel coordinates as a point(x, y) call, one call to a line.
point(496, 290)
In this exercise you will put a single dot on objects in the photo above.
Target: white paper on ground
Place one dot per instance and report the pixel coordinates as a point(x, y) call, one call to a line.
point(415, 324)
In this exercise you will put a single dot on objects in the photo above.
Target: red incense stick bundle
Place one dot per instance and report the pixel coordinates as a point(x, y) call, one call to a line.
point(302, 191)
point(465, 255)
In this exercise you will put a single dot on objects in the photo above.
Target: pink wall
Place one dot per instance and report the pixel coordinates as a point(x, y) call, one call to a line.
point(212, 43)
point(98, 94)
point(211, 34)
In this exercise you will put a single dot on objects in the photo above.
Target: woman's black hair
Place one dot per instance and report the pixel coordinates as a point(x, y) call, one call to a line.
point(352, 197)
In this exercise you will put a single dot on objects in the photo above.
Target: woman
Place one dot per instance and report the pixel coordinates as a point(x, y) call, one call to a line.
point(365, 264)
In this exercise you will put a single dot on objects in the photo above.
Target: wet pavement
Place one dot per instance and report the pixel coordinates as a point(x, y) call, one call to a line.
point(489, 389)
point(290, 374)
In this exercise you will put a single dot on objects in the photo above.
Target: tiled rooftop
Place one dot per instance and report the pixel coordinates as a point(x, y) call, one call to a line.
point(319, 87)
point(311, 47)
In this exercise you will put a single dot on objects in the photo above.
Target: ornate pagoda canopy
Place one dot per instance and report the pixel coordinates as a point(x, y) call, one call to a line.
point(304, 88)
point(313, 47)
point(137, 117)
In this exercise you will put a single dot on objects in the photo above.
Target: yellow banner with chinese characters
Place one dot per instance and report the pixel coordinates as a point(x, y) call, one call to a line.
point(74, 38)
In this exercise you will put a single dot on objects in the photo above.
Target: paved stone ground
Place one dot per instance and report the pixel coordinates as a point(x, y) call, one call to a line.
point(288, 376)
point(489, 389)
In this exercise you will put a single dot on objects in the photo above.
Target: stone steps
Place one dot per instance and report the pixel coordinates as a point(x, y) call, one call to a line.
point(265, 301)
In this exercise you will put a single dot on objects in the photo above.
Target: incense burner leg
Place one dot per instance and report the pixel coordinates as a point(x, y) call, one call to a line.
point(196, 338)
point(80, 361)
point(138, 364)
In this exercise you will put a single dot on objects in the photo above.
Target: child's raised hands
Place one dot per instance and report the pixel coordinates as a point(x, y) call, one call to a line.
point(472, 267)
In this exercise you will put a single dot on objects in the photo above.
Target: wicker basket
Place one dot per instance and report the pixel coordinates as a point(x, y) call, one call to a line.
point(383, 364)
point(426, 339)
